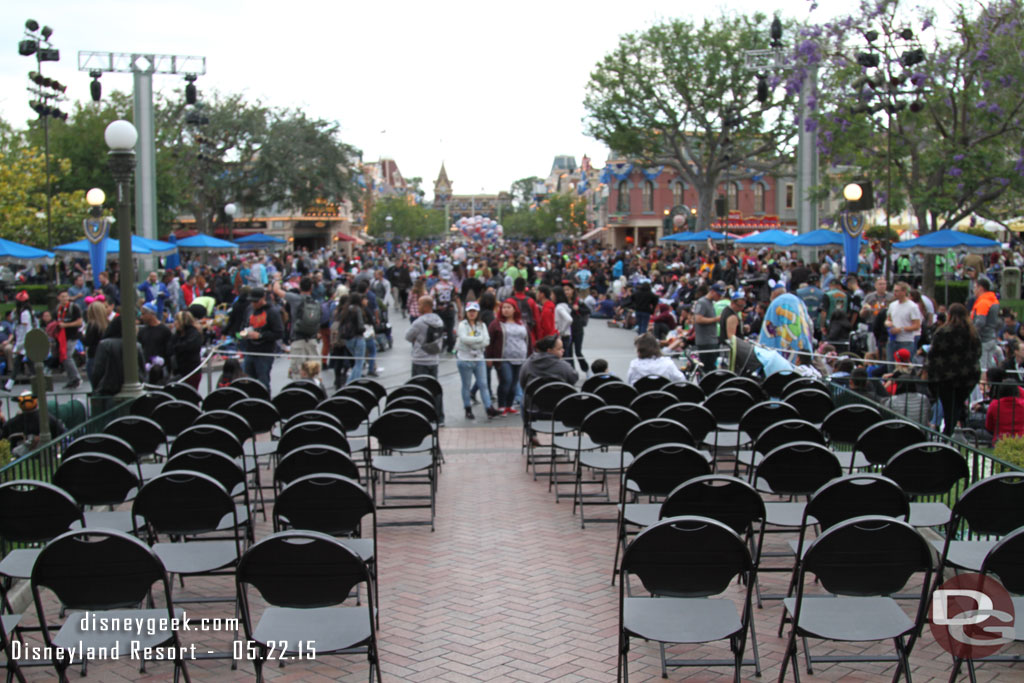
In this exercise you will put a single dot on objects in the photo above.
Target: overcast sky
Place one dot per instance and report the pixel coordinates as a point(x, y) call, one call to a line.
point(494, 90)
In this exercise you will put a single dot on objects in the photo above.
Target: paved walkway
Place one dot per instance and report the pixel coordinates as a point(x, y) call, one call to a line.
point(508, 588)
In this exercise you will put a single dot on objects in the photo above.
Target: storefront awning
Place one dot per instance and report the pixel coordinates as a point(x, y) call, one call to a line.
point(593, 233)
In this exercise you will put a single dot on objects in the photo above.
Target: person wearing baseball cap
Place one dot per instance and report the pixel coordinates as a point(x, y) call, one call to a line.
point(23, 322)
point(472, 339)
point(23, 428)
point(731, 323)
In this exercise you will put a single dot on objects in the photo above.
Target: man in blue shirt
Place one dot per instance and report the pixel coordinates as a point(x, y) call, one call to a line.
point(154, 291)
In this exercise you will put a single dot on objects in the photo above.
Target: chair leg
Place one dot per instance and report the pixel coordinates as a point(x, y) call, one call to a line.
point(753, 646)
point(664, 662)
point(807, 657)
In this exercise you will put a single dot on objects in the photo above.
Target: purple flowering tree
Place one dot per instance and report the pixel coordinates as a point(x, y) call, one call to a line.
point(679, 94)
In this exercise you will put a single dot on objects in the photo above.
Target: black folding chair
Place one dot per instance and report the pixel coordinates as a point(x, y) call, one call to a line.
point(606, 428)
point(594, 381)
point(616, 393)
point(686, 392)
point(141, 433)
point(774, 384)
point(252, 387)
point(223, 398)
point(183, 392)
point(227, 471)
point(97, 480)
point(405, 448)
point(539, 403)
point(291, 402)
point(843, 426)
point(314, 415)
point(650, 404)
point(747, 384)
point(754, 422)
point(812, 404)
point(570, 412)
point(710, 382)
point(145, 405)
point(313, 459)
point(309, 385)
point(860, 563)
point(882, 440)
point(684, 562)
point(928, 470)
point(651, 383)
point(771, 437)
point(303, 576)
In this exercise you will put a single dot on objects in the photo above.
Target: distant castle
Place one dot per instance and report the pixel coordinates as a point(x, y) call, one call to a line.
point(467, 204)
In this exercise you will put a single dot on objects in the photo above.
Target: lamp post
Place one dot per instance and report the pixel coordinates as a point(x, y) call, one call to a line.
point(121, 137)
point(388, 234)
point(96, 228)
point(558, 227)
point(229, 217)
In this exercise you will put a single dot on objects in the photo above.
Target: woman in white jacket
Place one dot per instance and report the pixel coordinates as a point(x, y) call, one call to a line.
point(563, 317)
point(472, 340)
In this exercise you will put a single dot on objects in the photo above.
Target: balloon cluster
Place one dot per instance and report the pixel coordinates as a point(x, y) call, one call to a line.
point(479, 228)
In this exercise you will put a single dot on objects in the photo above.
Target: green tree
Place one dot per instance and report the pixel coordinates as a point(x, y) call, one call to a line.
point(522, 190)
point(680, 94)
point(413, 221)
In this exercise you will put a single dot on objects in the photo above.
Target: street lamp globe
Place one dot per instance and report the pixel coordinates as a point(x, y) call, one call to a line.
point(120, 136)
point(853, 192)
point(95, 197)
point(678, 221)
point(230, 210)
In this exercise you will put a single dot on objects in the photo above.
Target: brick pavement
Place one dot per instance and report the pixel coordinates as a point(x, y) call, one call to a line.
point(508, 588)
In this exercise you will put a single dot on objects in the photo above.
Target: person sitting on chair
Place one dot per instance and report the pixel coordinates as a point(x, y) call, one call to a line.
point(22, 430)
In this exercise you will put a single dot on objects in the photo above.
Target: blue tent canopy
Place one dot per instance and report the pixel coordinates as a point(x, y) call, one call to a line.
point(12, 252)
point(776, 238)
point(260, 238)
point(157, 247)
point(82, 247)
point(696, 236)
point(819, 238)
point(940, 241)
point(199, 242)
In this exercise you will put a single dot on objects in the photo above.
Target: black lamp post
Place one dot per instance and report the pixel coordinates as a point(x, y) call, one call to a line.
point(230, 210)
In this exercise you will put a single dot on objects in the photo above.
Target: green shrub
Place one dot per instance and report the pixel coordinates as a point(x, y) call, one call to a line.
point(952, 292)
point(5, 452)
point(1010, 449)
point(878, 232)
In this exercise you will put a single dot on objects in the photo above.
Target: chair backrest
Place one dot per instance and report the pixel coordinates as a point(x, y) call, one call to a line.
point(534, 384)
point(400, 428)
point(846, 423)
point(651, 403)
point(728, 405)
point(801, 383)
point(882, 440)
point(301, 569)
point(312, 434)
point(309, 385)
point(1006, 561)
point(991, 506)
point(572, 409)
point(370, 383)
point(812, 404)
point(747, 384)
point(142, 433)
point(210, 462)
point(616, 393)
point(657, 430)
point(348, 410)
point(661, 468)
point(364, 395)
point(429, 383)
point(546, 397)
point(183, 392)
point(183, 502)
point(687, 556)
point(595, 381)
point(409, 390)
point(608, 425)
point(314, 415)
point(799, 468)
point(222, 398)
point(651, 383)
point(787, 431)
point(291, 402)
point(856, 495)
point(96, 479)
point(108, 444)
point(686, 392)
point(418, 405)
point(252, 387)
point(695, 417)
point(314, 459)
point(775, 383)
point(258, 412)
point(868, 556)
point(175, 416)
point(729, 500)
point(927, 468)
point(145, 404)
point(329, 503)
point(208, 436)
point(233, 422)
point(35, 511)
point(96, 569)
point(762, 415)
point(711, 381)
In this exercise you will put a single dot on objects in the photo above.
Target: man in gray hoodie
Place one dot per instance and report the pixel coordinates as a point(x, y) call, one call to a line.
point(546, 361)
point(427, 337)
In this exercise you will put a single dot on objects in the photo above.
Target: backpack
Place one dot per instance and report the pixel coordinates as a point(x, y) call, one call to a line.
point(434, 341)
point(526, 312)
point(326, 311)
point(307, 322)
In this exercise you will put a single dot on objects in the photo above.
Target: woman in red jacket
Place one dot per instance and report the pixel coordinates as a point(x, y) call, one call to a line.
point(1005, 415)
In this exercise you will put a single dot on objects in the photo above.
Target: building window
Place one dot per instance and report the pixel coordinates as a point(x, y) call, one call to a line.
point(789, 196)
point(623, 206)
point(734, 196)
point(758, 198)
point(648, 196)
point(677, 194)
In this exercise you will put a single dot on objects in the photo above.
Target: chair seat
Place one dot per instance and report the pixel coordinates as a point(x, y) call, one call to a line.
point(793, 543)
point(398, 464)
point(150, 470)
point(72, 635)
point(331, 628)
point(784, 514)
point(118, 520)
point(544, 426)
point(606, 461)
point(265, 448)
point(18, 563)
point(681, 620)
point(569, 442)
point(196, 557)
point(361, 431)
point(964, 554)
point(859, 461)
point(363, 547)
point(727, 438)
point(228, 521)
point(851, 619)
point(749, 458)
point(642, 514)
point(425, 445)
point(929, 514)
point(10, 621)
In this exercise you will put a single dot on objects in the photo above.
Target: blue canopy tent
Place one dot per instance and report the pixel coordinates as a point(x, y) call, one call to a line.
point(157, 247)
point(82, 247)
point(819, 238)
point(259, 238)
point(205, 243)
point(12, 252)
point(941, 241)
point(173, 260)
point(773, 238)
point(696, 236)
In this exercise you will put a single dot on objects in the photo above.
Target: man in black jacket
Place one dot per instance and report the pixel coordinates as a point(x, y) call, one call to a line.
point(264, 330)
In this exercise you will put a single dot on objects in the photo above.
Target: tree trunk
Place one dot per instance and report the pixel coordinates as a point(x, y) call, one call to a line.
point(705, 205)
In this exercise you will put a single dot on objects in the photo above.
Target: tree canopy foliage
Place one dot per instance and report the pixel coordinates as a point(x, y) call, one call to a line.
point(413, 221)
